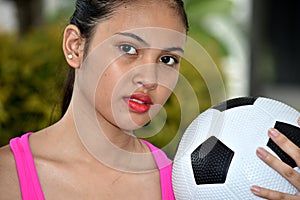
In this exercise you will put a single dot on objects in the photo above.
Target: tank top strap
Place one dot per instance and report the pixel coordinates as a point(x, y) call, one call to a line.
point(164, 165)
point(28, 178)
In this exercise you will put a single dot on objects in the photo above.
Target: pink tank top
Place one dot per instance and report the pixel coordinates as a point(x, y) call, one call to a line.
point(30, 185)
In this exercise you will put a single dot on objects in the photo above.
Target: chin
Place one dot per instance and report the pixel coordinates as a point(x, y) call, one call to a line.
point(134, 124)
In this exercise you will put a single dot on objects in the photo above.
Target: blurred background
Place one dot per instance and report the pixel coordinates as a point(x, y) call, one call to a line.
point(254, 44)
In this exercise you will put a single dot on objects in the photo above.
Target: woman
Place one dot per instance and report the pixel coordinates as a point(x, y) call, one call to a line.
point(124, 71)
point(124, 58)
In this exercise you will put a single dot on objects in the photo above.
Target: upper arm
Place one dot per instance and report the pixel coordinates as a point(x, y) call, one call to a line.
point(9, 182)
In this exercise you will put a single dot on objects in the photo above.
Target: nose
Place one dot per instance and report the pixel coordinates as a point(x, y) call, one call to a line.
point(149, 86)
point(146, 77)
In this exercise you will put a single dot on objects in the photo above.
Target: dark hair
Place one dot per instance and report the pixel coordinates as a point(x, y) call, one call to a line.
point(86, 16)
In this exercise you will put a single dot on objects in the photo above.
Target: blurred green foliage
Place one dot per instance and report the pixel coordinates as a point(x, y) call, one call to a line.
point(33, 69)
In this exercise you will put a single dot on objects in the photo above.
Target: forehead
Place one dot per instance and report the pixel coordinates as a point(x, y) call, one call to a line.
point(150, 13)
point(157, 23)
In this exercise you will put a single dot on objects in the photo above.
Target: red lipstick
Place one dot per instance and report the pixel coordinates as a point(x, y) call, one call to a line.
point(139, 103)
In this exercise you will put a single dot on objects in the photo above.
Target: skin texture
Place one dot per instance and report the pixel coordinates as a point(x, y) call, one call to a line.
point(66, 169)
point(285, 170)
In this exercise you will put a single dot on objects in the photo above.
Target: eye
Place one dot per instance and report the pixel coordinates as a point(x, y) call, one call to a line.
point(128, 49)
point(168, 60)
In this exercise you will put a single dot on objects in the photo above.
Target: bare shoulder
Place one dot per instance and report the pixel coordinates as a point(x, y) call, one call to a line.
point(9, 182)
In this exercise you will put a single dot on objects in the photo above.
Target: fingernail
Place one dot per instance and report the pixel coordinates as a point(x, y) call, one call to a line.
point(255, 189)
point(274, 132)
point(261, 152)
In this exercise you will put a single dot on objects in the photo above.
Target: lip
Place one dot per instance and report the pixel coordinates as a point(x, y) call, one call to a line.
point(139, 103)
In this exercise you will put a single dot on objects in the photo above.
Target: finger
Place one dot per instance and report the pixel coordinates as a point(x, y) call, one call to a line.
point(299, 121)
point(282, 168)
point(285, 144)
point(271, 194)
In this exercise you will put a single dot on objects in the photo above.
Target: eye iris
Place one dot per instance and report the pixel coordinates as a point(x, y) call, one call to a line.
point(126, 48)
point(166, 59)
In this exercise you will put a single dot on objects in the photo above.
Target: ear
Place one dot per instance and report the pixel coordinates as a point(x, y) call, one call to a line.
point(73, 45)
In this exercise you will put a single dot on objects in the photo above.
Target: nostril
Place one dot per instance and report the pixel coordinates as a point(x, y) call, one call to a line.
point(140, 83)
point(146, 84)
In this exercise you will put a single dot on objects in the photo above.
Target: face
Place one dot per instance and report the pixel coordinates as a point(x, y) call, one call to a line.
point(132, 64)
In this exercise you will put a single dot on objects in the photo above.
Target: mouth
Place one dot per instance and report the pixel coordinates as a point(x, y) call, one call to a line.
point(139, 103)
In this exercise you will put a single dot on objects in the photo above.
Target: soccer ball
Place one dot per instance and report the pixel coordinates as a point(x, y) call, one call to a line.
point(216, 156)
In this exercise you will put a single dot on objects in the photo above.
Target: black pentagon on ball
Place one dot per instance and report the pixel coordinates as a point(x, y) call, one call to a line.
point(236, 102)
point(210, 161)
point(293, 134)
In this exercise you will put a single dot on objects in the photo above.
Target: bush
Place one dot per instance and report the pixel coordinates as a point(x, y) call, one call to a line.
point(32, 71)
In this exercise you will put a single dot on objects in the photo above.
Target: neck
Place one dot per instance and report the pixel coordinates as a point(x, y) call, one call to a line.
point(107, 143)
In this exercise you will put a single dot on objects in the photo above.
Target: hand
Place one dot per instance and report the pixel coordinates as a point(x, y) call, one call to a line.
point(282, 168)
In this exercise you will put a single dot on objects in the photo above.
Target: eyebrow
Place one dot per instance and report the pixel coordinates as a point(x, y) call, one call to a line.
point(136, 37)
point(174, 49)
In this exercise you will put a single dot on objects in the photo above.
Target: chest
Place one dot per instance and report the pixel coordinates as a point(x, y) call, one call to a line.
point(81, 182)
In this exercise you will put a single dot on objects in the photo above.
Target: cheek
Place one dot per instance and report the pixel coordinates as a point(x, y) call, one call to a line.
point(167, 78)
point(103, 94)
point(165, 94)
point(108, 84)
point(109, 92)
